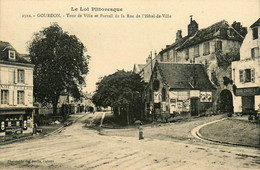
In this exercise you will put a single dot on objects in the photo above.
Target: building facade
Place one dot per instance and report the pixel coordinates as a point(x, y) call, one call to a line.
point(246, 73)
point(215, 47)
point(16, 86)
point(177, 88)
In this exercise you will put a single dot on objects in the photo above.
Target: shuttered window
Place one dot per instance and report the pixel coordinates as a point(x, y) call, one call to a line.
point(196, 51)
point(253, 75)
point(206, 49)
point(20, 76)
point(20, 97)
point(254, 52)
point(219, 45)
point(4, 97)
point(247, 75)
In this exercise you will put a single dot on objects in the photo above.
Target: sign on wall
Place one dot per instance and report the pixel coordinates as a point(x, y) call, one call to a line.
point(205, 96)
point(173, 105)
point(195, 93)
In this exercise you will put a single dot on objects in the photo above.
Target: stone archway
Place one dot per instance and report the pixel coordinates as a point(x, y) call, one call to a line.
point(225, 103)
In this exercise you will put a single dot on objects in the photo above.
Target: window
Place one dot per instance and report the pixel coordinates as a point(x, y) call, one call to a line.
point(187, 54)
point(247, 75)
point(20, 97)
point(20, 76)
point(219, 45)
point(11, 54)
point(11, 76)
point(168, 56)
point(206, 49)
point(254, 52)
point(163, 94)
point(196, 51)
point(255, 33)
point(4, 96)
point(156, 85)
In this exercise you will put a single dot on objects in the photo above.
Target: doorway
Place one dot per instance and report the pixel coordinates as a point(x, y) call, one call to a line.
point(194, 106)
point(248, 104)
point(226, 102)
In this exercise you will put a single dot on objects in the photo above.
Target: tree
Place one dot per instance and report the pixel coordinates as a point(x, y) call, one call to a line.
point(60, 64)
point(123, 92)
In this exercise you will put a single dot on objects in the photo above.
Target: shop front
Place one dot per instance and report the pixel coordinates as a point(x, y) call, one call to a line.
point(16, 122)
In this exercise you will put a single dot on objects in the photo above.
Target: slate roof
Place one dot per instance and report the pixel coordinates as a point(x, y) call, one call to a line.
point(257, 23)
point(5, 46)
point(185, 76)
point(175, 44)
point(217, 30)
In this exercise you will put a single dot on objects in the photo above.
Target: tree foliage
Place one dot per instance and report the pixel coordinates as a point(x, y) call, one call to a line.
point(60, 64)
point(120, 90)
point(225, 59)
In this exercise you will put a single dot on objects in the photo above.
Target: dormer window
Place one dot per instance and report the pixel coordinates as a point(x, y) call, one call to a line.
point(11, 55)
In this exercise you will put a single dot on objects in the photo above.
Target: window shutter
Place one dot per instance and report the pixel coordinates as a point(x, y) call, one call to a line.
point(25, 97)
point(15, 76)
point(253, 75)
point(256, 52)
point(26, 76)
point(10, 96)
point(15, 97)
point(241, 76)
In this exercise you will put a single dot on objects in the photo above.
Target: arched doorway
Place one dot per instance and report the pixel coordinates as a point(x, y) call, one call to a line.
point(226, 101)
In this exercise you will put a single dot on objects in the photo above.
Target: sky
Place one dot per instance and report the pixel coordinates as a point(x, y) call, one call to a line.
point(119, 42)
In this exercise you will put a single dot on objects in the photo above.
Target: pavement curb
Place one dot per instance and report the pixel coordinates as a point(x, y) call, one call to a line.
point(195, 132)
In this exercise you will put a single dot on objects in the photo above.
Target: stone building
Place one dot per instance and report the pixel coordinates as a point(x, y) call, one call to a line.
point(177, 88)
point(16, 86)
point(246, 73)
point(215, 47)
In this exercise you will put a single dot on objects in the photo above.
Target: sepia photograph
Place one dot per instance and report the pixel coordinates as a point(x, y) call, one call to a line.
point(129, 85)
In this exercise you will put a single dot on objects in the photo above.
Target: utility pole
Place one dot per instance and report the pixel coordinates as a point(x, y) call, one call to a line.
point(152, 102)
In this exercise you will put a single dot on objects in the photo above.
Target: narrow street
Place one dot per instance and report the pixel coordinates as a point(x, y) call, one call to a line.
point(78, 147)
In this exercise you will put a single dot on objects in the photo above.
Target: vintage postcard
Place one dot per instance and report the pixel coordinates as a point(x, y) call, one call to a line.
point(171, 84)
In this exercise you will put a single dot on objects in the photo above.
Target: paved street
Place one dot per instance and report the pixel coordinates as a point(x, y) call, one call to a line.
point(80, 148)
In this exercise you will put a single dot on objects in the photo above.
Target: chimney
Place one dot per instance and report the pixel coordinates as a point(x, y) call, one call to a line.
point(178, 35)
point(192, 27)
